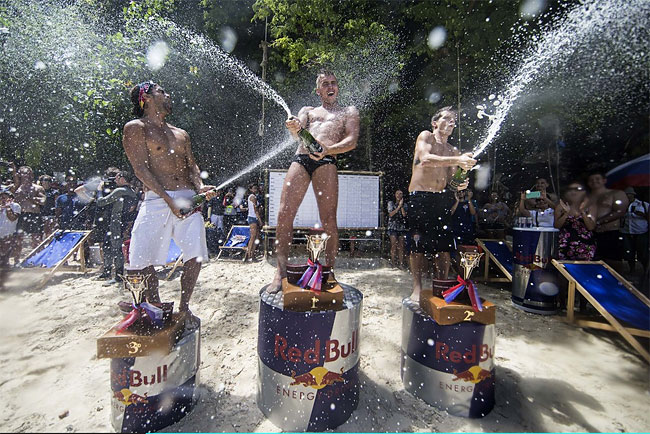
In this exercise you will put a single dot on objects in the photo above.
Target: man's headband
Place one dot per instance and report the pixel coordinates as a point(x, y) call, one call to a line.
point(145, 87)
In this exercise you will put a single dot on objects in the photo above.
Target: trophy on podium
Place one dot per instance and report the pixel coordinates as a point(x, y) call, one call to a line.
point(311, 286)
point(144, 317)
point(468, 260)
point(136, 284)
point(460, 300)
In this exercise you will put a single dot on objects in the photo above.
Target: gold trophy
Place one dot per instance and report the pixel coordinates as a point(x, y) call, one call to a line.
point(137, 285)
point(459, 303)
point(316, 245)
point(311, 286)
point(469, 261)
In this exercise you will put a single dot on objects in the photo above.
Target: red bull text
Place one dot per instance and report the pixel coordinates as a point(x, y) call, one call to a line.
point(476, 354)
point(332, 348)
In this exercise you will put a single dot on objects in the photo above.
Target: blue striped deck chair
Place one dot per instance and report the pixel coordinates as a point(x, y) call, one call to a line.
point(498, 252)
point(236, 241)
point(623, 308)
point(53, 253)
point(174, 258)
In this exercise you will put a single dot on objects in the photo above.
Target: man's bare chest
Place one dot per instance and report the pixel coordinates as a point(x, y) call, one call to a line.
point(328, 123)
point(164, 144)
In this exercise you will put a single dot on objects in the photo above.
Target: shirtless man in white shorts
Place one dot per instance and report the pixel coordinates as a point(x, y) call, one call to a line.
point(336, 128)
point(162, 159)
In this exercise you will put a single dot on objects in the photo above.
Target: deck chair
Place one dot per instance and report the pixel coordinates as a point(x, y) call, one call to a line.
point(624, 309)
point(500, 253)
point(54, 252)
point(174, 258)
point(236, 241)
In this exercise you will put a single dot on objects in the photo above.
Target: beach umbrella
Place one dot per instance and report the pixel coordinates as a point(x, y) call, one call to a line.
point(635, 173)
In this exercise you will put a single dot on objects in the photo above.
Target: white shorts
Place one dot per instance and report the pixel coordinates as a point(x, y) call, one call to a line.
point(155, 227)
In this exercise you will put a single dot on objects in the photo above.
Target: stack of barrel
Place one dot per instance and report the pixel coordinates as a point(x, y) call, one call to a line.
point(308, 353)
point(154, 373)
point(448, 351)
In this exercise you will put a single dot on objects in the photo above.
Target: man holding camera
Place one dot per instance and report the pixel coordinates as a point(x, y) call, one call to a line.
point(121, 195)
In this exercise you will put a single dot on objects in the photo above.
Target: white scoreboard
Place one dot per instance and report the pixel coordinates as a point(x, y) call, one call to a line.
point(359, 201)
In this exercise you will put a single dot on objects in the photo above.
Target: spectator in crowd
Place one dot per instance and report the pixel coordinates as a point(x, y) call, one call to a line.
point(121, 195)
point(576, 225)
point(635, 231)
point(463, 217)
point(241, 205)
point(397, 229)
point(216, 210)
point(31, 198)
point(47, 211)
point(68, 206)
point(131, 204)
point(542, 212)
point(494, 216)
point(254, 222)
point(9, 212)
point(229, 210)
point(541, 185)
point(608, 208)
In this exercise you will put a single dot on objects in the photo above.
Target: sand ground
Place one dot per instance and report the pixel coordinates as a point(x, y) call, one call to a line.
point(550, 376)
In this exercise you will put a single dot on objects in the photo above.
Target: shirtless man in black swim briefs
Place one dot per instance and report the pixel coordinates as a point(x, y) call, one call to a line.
point(431, 199)
point(336, 128)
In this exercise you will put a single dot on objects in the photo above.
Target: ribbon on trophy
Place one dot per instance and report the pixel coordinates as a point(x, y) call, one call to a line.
point(137, 285)
point(155, 314)
point(311, 278)
point(450, 294)
point(469, 260)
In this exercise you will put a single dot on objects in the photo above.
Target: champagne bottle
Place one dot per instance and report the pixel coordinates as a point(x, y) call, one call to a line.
point(458, 178)
point(197, 200)
point(308, 140)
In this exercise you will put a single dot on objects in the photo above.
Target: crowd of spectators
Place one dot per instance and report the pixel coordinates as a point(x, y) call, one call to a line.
point(595, 222)
point(31, 210)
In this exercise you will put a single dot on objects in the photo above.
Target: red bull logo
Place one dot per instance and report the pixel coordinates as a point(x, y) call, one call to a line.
point(476, 354)
point(126, 397)
point(312, 356)
point(135, 378)
point(532, 259)
point(317, 378)
point(475, 374)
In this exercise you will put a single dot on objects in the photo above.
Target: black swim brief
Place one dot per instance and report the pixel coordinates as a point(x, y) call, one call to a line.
point(311, 165)
point(429, 216)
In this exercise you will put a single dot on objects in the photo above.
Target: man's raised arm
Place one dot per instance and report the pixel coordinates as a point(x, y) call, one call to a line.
point(427, 159)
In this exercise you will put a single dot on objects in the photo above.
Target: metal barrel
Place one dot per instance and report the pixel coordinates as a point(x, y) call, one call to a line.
point(152, 392)
point(308, 363)
point(535, 281)
point(448, 366)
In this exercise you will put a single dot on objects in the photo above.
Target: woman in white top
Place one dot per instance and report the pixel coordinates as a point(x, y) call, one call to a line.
point(254, 221)
point(544, 212)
